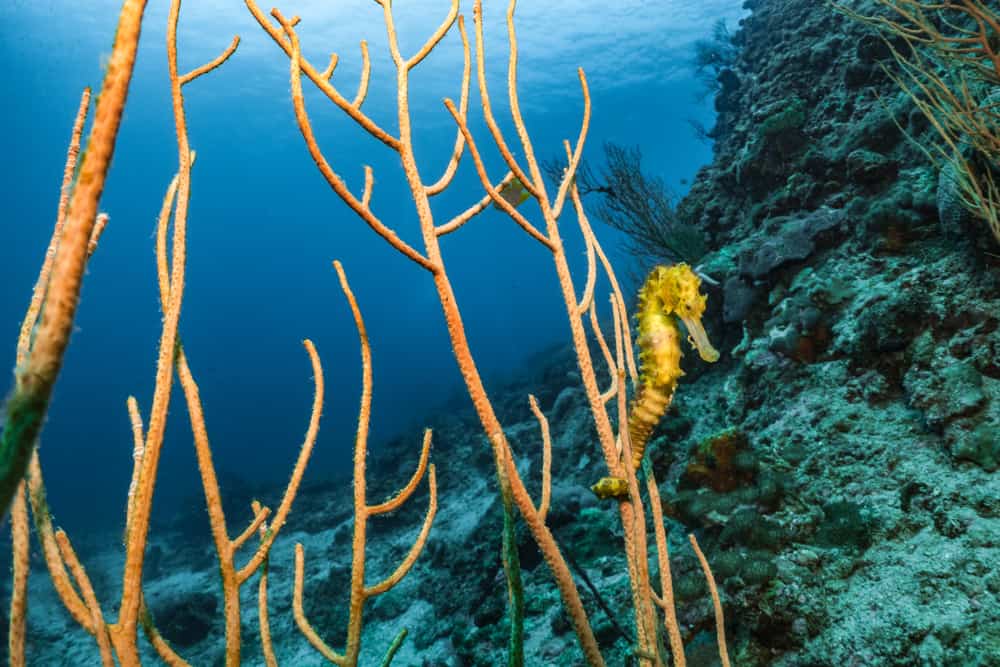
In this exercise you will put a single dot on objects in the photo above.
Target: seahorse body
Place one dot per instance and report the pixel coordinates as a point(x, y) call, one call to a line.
point(669, 293)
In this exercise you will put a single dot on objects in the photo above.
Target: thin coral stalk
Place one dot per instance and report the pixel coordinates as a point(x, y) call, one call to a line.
point(87, 590)
point(264, 621)
point(54, 547)
point(720, 627)
point(442, 183)
point(360, 207)
point(298, 471)
point(572, 603)
point(473, 210)
point(159, 644)
point(321, 79)
point(612, 390)
point(543, 424)
point(226, 547)
point(512, 571)
point(216, 516)
point(19, 586)
point(124, 631)
point(494, 191)
point(666, 601)
point(634, 520)
point(95, 236)
point(50, 549)
point(19, 508)
point(138, 447)
point(38, 294)
point(362, 511)
point(505, 152)
point(360, 593)
point(394, 647)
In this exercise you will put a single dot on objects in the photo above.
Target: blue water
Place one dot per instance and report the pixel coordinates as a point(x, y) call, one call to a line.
point(264, 226)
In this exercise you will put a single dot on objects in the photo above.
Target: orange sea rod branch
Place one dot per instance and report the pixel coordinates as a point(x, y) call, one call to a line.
point(118, 638)
point(431, 259)
point(41, 285)
point(78, 240)
point(363, 511)
point(630, 509)
point(124, 630)
point(35, 378)
point(720, 628)
point(530, 178)
point(19, 507)
point(58, 288)
point(226, 547)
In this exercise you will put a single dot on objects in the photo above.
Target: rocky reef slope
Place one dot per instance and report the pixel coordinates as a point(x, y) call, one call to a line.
point(864, 376)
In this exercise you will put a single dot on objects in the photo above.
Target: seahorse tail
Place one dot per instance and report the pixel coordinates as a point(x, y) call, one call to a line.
point(648, 406)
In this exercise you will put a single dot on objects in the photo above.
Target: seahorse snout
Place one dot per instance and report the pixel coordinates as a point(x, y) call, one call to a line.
point(699, 339)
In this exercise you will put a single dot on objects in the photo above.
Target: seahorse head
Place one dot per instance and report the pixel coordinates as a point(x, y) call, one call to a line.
point(675, 290)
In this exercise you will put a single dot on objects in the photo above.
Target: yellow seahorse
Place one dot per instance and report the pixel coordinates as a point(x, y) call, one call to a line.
point(669, 293)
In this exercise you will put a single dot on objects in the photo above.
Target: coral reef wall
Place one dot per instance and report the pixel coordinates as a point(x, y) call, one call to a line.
point(859, 524)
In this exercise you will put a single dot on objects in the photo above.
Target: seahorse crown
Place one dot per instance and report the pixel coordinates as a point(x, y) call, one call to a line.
point(667, 293)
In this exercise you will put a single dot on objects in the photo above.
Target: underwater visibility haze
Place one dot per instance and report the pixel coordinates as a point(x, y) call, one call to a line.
point(260, 272)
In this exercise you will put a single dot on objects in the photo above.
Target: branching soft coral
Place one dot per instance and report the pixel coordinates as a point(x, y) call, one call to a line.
point(948, 55)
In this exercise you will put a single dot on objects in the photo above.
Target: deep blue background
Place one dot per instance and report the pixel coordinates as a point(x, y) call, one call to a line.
point(264, 226)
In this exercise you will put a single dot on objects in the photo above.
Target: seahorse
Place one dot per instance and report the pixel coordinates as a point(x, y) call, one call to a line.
point(670, 293)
